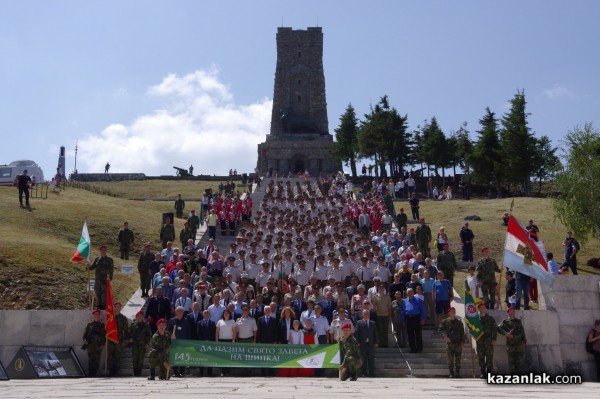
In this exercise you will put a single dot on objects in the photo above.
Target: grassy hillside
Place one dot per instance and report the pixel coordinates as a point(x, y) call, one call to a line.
point(160, 189)
point(36, 246)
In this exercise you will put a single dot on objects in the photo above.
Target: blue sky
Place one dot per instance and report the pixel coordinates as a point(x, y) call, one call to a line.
point(146, 85)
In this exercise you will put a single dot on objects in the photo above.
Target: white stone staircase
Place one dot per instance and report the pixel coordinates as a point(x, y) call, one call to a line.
point(431, 362)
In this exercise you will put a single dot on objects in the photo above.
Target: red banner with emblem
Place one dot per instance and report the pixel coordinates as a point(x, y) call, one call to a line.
point(111, 323)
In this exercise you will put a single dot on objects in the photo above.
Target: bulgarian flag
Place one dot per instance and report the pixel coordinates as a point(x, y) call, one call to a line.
point(472, 319)
point(524, 255)
point(111, 323)
point(83, 249)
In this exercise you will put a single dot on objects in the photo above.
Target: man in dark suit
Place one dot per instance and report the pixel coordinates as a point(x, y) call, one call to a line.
point(298, 304)
point(366, 335)
point(158, 308)
point(267, 332)
point(328, 306)
point(254, 311)
point(193, 318)
point(206, 331)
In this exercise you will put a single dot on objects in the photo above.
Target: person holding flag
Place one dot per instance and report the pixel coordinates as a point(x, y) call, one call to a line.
point(104, 267)
point(486, 342)
point(114, 349)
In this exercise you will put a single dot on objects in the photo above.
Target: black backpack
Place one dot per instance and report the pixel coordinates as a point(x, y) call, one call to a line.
point(589, 345)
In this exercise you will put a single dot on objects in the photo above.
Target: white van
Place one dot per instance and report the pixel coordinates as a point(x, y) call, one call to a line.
point(8, 173)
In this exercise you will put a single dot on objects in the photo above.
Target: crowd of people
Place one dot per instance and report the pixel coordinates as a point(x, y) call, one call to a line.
point(315, 264)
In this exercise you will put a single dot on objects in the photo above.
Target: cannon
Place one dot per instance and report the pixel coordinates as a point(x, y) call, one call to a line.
point(181, 172)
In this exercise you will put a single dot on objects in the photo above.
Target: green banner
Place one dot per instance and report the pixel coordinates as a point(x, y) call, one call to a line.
point(227, 354)
point(471, 315)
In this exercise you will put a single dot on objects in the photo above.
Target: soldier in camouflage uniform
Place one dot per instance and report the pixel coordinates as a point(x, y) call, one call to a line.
point(350, 354)
point(159, 354)
point(139, 338)
point(146, 257)
point(485, 343)
point(423, 235)
point(114, 349)
point(93, 342)
point(179, 206)
point(185, 234)
point(514, 332)
point(486, 276)
point(446, 262)
point(453, 333)
point(125, 239)
point(167, 232)
point(104, 266)
point(194, 222)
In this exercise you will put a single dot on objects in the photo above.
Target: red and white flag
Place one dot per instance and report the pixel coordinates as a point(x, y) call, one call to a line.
point(524, 255)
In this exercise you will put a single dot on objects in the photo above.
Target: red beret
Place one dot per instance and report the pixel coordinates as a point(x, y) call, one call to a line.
point(509, 309)
point(162, 321)
point(346, 325)
point(484, 249)
point(96, 311)
point(102, 246)
point(139, 313)
point(147, 245)
point(450, 309)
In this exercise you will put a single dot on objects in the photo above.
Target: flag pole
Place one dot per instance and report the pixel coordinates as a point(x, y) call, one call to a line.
point(472, 353)
point(105, 355)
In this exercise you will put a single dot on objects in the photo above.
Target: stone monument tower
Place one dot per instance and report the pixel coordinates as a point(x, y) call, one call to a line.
point(299, 139)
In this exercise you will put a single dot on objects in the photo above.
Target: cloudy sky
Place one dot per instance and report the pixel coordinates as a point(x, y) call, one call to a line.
point(148, 85)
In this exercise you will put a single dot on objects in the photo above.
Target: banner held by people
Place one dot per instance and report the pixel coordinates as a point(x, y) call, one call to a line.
point(524, 255)
point(187, 353)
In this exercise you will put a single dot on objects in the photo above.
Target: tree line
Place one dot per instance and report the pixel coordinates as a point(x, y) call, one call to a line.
point(506, 154)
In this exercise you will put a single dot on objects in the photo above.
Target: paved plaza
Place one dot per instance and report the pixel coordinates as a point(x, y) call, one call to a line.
point(285, 388)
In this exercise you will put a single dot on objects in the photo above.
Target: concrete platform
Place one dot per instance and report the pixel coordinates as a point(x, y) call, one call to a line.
point(259, 387)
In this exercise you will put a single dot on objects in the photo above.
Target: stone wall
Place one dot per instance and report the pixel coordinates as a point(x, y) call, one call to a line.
point(91, 177)
point(557, 332)
point(42, 328)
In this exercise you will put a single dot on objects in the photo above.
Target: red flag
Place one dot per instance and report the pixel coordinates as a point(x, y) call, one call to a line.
point(111, 323)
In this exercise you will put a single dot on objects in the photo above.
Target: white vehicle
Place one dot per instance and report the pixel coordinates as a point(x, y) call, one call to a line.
point(8, 173)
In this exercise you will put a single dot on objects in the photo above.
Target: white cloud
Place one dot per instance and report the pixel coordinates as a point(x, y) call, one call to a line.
point(558, 92)
point(199, 125)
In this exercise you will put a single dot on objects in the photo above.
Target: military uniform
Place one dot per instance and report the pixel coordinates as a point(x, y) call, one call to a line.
point(94, 335)
point(446, 262)
point(485, 348)
point(185, 235)
point(125, 241)
point(105, 267)
point(179, 206)
point(351, 361)
point(454, 330)
point(486, 268)
point(423, 235)
point(140, 334)
point(159, 354)
point(402, 219)
point(167, 233)
point(114, 349)
point(194, 223)
point(146, 257)
point(514, 345)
